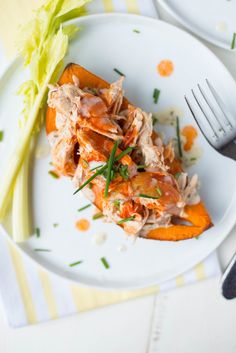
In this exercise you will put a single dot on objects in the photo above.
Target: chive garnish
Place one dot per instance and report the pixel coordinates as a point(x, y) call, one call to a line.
point(119, 72)
point(104, 262)
point(1, 135)
point(178, 137)
point(177, 175)
point(193, 159)
point(124, 172)
point(55, 225)
point(126, 220)
point(117, 204)
point(124, 153)
point(98, 215)
point(141, 166)
point(233, 41)
point(158, 190)
point(148, 196)
point(136, 31)
point(45, 250)
point(101, 170)
point(85, 162)
point(84, 207)
point(154, 120)
point(90, 179)
point(37, 231)
point(156, 94)
point(110, 166)
point(99, 166)
point(75, 263)
point(53, 174)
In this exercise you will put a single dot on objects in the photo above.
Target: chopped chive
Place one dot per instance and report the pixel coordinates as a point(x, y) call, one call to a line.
point(197, 237)
point(156, 94)
point(233, 41)
point(112, 174)
point(117, 204)
point(99, 166)
point(178, 137)
point(98, 215)
point(148, 196)
point(45, 250)
point(76, 263)
point(136, 31)
point(193, 159)
point(177, 175)
point(90, 179)
point(102, 169)
point(1, 135)
point(158, 190)
point(53, 174)
point(119, 72)
point(110, 166)
point(124, 172)
point(94, 91)
point(124, 153)
point(126, 220)
point(85, 162)
point(105, 263)
point(154, 120)
point(84, 207)
point(55, 225)
point(141, 166)
point(37, 232)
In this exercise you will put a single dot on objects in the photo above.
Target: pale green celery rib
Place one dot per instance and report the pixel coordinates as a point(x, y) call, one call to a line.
point(16, 158)
point(20, 206)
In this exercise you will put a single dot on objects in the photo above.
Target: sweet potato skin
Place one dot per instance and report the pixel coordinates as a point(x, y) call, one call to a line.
point(196, 215)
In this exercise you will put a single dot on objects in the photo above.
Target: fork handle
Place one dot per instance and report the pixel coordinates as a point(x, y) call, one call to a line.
point(229, 150)
point(229, 280)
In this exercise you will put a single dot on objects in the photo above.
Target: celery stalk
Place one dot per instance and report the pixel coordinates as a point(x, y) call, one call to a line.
point(20, 206)
point(43, 43)
point(17, 156)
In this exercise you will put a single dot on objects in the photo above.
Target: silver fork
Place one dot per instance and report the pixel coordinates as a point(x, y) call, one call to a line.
point(213, 118)
point(219, 128)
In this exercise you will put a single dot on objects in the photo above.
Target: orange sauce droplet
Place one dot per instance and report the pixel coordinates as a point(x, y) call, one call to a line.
point(165, 68)
point(82, 224)
point(190, 134)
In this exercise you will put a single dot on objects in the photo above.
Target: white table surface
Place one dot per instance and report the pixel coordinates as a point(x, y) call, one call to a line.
point(192, 319)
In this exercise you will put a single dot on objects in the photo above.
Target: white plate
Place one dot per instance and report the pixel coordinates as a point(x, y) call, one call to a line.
point(213, 20)
point(104, 43)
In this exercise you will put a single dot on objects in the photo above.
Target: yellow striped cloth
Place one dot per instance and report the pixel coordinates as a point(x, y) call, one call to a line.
point(28, 293)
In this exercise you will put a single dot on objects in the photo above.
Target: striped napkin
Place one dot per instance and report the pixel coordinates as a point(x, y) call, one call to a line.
point(29, 293)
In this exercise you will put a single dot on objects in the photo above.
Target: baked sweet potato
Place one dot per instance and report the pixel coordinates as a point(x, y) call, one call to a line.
point(196, 216)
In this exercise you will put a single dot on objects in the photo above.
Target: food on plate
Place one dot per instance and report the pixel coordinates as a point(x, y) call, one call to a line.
point(109, 148)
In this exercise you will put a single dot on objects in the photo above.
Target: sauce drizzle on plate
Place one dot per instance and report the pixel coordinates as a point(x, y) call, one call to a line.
point(165, 68)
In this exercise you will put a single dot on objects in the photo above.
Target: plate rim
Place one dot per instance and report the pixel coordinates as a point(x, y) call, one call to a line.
point(192, 28)
point(184, 268)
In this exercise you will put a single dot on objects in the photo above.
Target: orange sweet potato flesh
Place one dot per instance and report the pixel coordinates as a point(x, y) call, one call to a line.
point(196, 215)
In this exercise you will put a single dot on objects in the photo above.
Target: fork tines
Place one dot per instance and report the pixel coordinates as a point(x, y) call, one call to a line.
point(212, 117)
